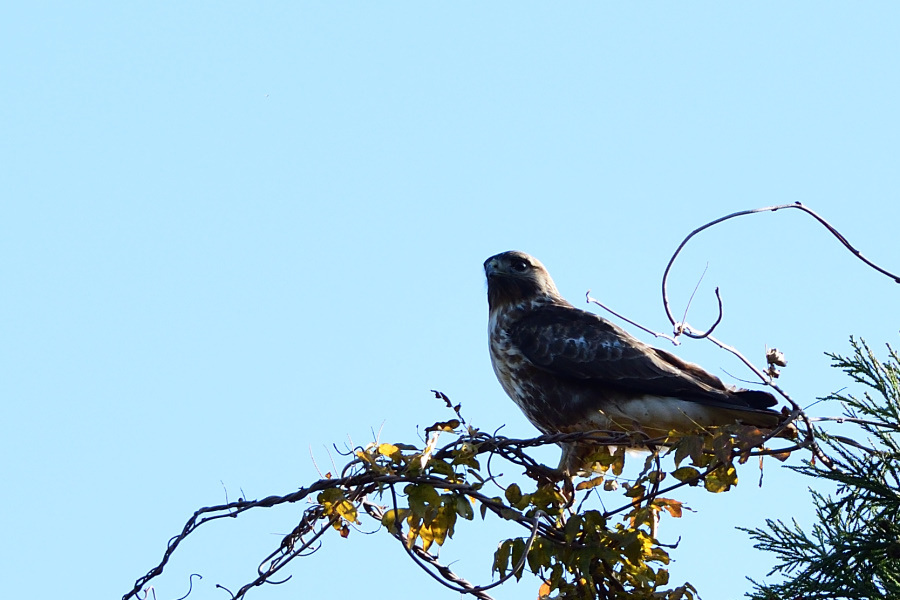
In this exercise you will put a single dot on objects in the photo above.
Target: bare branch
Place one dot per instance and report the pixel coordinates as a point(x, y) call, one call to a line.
point(627, 320)
point(796, 205)
point(880, 424)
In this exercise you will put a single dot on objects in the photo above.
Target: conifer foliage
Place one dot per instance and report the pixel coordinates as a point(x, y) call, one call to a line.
point(853, 550)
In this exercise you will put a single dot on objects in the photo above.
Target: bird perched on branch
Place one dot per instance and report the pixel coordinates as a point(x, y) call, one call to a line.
point(570, 370)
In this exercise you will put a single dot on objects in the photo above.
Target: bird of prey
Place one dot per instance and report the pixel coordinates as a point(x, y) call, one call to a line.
point(570, 370)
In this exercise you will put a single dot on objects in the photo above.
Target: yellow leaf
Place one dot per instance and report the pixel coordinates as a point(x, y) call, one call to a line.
point(387, 449)
point(415, 525)
point(334, 503)
point(391, 517)
point(673, 507)
point(438, 528)
point(427, 537)
point(591, 483)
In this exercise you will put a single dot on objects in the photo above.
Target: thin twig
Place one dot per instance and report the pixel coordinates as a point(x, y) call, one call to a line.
point(629, 321)
point(797, 205)
point(881, 424)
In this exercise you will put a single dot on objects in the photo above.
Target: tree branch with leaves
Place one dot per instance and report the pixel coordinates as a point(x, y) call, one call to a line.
point(417, 492)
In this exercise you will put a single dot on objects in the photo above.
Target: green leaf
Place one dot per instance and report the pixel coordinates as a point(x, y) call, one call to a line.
point(573, 527)
point(518, 549)
point(689, 446)
point(464, 507)
point(540, 555)
point(635, 491)
point(421, 497)
point(442, 468)
point(406, 447)
point(685, 473)
point(547, 498)
point(501, 557)
point(723, 447)
point(656, 476)
point(594, 521)
point(513, 493)
point(721, 479)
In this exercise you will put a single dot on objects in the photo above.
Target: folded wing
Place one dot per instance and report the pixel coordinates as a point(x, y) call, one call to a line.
point(572, 343)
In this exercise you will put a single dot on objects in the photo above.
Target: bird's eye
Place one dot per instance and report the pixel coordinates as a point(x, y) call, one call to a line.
point(520, 266)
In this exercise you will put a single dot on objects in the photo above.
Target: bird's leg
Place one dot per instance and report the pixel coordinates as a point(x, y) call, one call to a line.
point(569, 463)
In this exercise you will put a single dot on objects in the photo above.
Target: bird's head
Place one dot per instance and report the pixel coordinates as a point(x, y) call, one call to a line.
point(515, 276)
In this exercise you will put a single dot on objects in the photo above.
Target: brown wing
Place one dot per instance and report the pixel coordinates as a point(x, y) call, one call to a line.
point(576, 344)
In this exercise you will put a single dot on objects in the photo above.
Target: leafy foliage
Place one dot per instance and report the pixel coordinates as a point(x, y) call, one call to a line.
point(419, 492)
point(853, 550)
point(589, 554)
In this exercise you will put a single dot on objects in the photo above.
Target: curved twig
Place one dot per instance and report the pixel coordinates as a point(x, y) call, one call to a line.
point(190, 585)
point(147, 594)
point(521, 564)
point(277, 565)
point(796, 205)
point(685, 329)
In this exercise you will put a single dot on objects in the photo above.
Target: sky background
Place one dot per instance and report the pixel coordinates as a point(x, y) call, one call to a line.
point(233, 234)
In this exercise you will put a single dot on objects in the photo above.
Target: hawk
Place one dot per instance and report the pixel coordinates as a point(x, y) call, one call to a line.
point(570, 370)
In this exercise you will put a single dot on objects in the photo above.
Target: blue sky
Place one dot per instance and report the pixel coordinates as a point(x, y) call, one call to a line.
point(232, 235)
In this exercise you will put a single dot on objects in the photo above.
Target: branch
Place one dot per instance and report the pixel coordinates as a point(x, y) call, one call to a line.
point(590, 300)
point(880, 424)
point(684, 328)
point(797, 411)
point(374, 471)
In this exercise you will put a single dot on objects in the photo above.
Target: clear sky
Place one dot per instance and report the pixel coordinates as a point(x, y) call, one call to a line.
point(233, 233)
